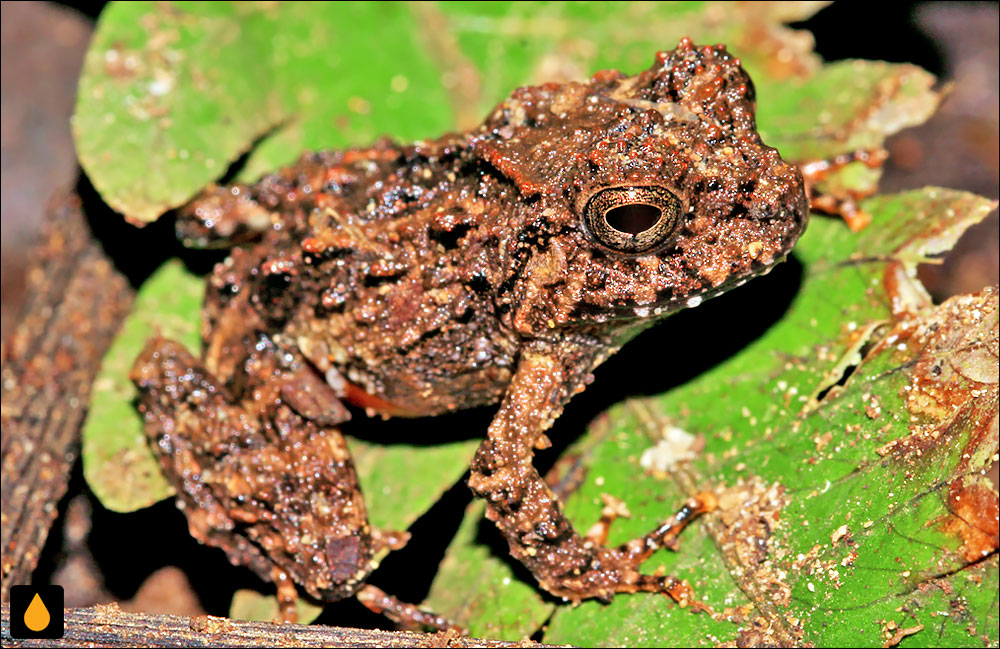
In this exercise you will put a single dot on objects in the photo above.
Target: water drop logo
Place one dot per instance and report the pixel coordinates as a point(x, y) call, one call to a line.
point(37, 616)
point(36, 612)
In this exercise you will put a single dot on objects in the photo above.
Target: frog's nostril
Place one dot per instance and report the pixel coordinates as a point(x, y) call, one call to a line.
point(633, 218)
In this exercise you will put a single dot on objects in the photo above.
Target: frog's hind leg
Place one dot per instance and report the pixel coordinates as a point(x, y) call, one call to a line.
point(274, 490)
point(529, 514)
point(259, 478)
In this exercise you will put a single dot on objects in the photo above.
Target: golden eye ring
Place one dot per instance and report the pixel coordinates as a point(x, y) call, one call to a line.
point(632, 220)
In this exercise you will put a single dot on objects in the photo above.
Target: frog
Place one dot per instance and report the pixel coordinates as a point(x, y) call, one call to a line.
point(493, 267)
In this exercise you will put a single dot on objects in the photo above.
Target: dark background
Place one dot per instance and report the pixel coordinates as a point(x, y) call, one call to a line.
point(147, 558)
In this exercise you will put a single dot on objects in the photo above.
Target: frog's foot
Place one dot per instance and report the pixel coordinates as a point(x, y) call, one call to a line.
point(407, 616)
point(665, 535)
point(222, 217)
point(843, 204)
point(616, 570)
point(638, 550)
point(275, 491)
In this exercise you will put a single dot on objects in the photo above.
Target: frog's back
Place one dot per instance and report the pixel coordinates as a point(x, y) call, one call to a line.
point(378, 263)
point(400, 269)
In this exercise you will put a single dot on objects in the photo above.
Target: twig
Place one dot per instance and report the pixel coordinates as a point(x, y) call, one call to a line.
point(109, 626)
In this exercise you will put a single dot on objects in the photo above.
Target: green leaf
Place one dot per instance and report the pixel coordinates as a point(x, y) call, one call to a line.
point(172, 92)
point(151, 71)
point(117, 463)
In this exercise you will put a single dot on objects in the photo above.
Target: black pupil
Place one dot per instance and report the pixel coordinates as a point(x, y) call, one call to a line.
point(633, 218)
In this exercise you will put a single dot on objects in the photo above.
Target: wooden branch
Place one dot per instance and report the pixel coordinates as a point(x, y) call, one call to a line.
point(109, 626)
point(76, 302)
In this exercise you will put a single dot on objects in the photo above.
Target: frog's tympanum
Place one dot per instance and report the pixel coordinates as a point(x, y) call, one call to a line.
point(497, 266)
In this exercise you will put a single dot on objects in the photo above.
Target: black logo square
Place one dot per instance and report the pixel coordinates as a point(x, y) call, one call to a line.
point(36, 612)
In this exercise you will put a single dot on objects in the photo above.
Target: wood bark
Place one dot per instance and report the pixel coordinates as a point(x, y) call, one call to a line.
point(109, 626)
point(76, 302)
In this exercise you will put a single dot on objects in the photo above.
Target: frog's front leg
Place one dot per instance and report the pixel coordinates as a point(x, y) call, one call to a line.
point(527, 512)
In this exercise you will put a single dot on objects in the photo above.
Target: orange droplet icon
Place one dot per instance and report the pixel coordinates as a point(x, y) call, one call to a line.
point(36, 616)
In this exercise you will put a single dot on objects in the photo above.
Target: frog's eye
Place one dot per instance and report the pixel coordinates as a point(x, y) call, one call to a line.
point(633, 220)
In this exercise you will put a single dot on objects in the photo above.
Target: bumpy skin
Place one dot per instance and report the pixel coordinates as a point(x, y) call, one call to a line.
point(448, 274)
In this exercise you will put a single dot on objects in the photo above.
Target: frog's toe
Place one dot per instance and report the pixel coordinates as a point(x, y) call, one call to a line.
point(406, 616)
point(612, 572)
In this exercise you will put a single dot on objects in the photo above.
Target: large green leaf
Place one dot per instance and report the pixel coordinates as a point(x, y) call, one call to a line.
point(172, 93)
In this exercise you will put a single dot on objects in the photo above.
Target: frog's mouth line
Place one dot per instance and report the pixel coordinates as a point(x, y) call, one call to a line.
point(661, 308)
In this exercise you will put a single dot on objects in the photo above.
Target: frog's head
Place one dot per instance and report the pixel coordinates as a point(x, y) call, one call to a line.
point(639, 195)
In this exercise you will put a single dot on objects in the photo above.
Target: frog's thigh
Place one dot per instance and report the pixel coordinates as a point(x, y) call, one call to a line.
point(268, 486)
point(187, 415)
point(527, 512)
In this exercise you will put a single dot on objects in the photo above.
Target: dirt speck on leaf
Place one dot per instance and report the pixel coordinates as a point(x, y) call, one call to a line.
point(749, 512)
